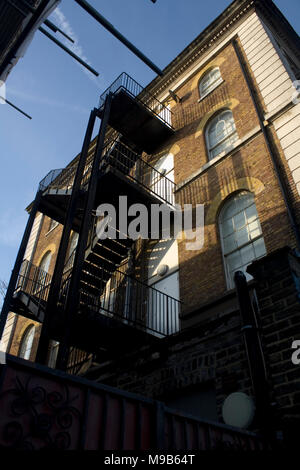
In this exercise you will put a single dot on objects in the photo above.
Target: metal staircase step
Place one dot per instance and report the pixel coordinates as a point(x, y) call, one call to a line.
point(89, 288)
point(108, 254)
point(95, 281)
point(118, 246)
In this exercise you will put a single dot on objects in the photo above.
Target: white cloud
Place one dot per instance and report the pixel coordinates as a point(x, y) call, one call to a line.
point(61, 21)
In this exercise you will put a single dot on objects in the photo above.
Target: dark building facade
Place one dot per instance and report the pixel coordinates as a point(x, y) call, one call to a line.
point(220, 129)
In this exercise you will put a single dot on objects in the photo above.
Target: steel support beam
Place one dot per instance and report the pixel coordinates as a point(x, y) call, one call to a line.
point(42, 352)
point(68, 51)
point(56, 29)
point(15, 107)
point(73, 291)
point(107, 25)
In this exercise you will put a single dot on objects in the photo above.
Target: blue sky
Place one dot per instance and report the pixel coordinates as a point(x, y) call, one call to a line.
point(59, 93)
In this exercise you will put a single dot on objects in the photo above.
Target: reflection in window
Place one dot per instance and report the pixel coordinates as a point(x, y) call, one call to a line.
point(26, 343)
point(210, 81)
point(221, 134)
point(241, 235)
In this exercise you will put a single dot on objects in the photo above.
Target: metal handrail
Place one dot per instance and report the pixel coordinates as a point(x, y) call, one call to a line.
point(133, 302)
point(33, 281)
point(125, 160)
point(63, 178)
point(141, 172)
point(134, 89)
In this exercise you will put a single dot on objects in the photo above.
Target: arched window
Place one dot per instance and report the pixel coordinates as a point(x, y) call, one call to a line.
point(42, 278)
point(221, 134)
point(26, 342)
point(210, 81)
point(241, 234)
point(45, 262)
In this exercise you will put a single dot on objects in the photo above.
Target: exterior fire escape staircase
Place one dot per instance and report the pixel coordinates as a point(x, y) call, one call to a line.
point(115, 309)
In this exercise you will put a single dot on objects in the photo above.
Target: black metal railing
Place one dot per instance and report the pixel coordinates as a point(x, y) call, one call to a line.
point(78, 359)
point(98, 226)
point(33, 281)
point(124, 159)
point(61, 179)
point(135, 90)
point(133, 302)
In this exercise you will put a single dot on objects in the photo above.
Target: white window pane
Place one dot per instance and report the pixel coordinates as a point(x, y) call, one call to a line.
point(227, 227)
point(260, 248)
point(45, 263)
point(247, 254)
point(242, 236)
point(234, 261)
point(240, 214)
point(210, 81)
point(251, 213)
point(215, 74)
point(230, 243)
point(226, 145)
point(239, 220)
point(27, 342)
point(255, 229)
point(229, 210)
point(220, 130)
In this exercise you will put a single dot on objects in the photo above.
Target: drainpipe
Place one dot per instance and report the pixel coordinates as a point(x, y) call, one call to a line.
point(255, 355)
point(276, 165)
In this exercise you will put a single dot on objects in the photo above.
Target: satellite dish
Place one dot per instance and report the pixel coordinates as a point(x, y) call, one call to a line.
point(238, 410)
point(174, 96)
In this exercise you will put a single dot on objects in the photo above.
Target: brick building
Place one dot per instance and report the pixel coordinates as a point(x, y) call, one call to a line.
point(221, 128)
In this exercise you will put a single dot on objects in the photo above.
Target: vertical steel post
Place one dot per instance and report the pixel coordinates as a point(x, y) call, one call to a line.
point(51, 307)
point(73, 292)
point(18, 263)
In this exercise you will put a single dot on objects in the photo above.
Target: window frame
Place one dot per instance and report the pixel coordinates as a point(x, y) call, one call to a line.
point(52, 225)
point(209, 124)
point(213, 85)
point(24, 340)
point(229, 280)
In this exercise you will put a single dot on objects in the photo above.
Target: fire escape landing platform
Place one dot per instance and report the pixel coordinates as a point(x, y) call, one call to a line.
point(143, 120)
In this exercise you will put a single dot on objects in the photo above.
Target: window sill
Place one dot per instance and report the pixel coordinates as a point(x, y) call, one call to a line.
point(50, 231)
point(236, 146)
